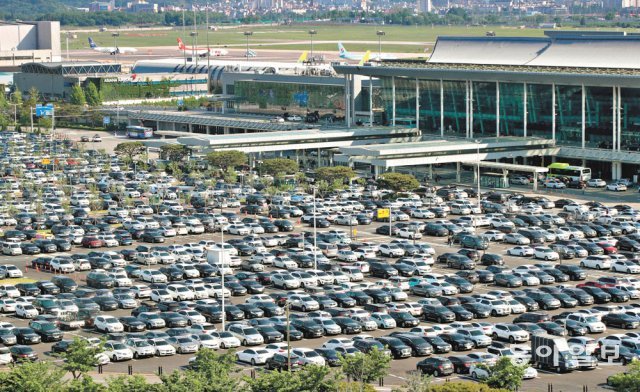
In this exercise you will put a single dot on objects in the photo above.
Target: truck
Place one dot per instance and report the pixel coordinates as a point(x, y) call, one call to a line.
point(69, 320)
point(553, 353)
point(217, 256)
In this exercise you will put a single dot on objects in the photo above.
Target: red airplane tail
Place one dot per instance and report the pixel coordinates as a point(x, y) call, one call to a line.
point(180, 44)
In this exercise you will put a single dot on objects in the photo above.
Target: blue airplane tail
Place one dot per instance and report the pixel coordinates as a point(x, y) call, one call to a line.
point(92, 44)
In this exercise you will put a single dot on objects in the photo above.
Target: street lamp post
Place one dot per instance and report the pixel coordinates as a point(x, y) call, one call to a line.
point(247, 34)
point(194, 42)
point(115, 36)
point(288, 314)
point(380, 33)
point(478, 172)
point(315, 232)
point(311, 34)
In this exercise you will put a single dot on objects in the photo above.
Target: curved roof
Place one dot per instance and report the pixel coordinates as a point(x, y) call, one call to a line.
point(558, 49)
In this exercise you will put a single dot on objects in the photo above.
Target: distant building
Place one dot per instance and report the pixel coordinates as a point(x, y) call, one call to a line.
point(143, 6)
point(619, 4)
point(24, 42)
point(423, 6)
point(102, 6)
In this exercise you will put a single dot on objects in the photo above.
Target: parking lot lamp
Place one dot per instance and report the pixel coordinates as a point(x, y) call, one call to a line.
point(478, 172)
point(222, 252)
point(287, 308)
point(311, 34)
point(247, 34)
point(380, 33)
point(315, 232)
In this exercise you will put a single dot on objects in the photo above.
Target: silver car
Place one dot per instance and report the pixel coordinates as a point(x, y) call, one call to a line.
point(184, 344)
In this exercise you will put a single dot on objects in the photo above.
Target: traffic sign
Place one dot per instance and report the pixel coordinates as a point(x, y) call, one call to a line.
point(45, 161)
point(44, 110)
point(106, 120)
point(383, 213)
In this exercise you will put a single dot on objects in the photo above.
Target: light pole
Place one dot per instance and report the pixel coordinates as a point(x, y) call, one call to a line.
point(380, 33)
point(115, 44)
point(248, 34)
point(311, 34)
point(315, 233)
point(478, 173)
point(67, 40)
point(194, 42)
point(287, 308)
point(222, 252)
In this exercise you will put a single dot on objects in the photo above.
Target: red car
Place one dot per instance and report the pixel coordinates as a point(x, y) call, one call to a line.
point(91, 242)
point(607, 247)
point(599, 285)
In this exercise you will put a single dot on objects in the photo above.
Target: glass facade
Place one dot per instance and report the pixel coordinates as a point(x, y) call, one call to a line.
point(484, 109)
point(630, 119)
point(256, 96)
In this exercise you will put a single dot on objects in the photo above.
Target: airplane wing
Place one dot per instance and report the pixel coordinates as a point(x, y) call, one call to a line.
point(365, 58)
point(303, 57)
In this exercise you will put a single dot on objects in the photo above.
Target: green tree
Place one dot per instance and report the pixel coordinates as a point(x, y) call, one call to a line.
point(80, 358)
point(77, 96)
point(134, 383)
point(333, 173)
point(41, 376)
point(226, 159)
point(16, 97)
point(628, 381)
point(32, 99)
point(417, 382)
point(311, 378)
point(398, 182)
point(465, 386)
point(279, 167)
point(368, 367)
point(93, 96)
point(505, 374)
point(85, 384)
point(174, 152)
point(129, 150)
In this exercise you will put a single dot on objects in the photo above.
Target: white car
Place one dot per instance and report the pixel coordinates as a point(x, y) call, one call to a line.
point(153, 276)
point(247, 335)
point(285, 281)
point(493, 235)
point(521, 250)
point(303, 302)
point(348, 256)
point(11, 271)
point(108, 324)
point(616, 187)
point(254, 356)
point(409, 233)
point(7, 305)
point(545, 253)
point(117, 351)
point(141, 348)
point(141, 290)
point(8, 290)
point(625, 266)
point(284, 262)
point(162, 347)
point(481, 373)
point(582, 345)
point(391, 250)
point(516, 239)
point(596, 183)
point(554, 184)
point(180, 292)
point(308, 356)
point(510, 332)
point(338, 342)
point(383, 320)
point(26, 311)
point(596, 261)
point(423, 213)
point(161, 295)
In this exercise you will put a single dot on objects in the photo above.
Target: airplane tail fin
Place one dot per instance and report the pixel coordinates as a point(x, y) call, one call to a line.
point(365, 58)
point(92, 44)
point(342, 50)
point(180, 44)
point(303, 57)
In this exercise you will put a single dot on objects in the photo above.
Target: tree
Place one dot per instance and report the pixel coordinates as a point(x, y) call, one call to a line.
point(129, 150)
point(77, 96)
point(33, 377)
point(279, 166)
point(417, 382)
point(211, 372)
point(505, 374)
point(333, 173)
point(398, 182)
point(368, 367)
point(465, 386)
point(16, 97)
point(80, 358)
point(134, 383)
point(226, 159)
point(629, 381)
point(174, 152)
point(32, 100)
point(93, 96)
point(311, 378)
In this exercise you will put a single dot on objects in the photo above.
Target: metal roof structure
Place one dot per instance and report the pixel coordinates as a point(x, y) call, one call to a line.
point(71, 68)
point(217, 120)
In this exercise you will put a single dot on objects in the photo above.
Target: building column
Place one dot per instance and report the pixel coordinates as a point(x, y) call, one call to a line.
point(535, 181)
point(347, 101)
point(584, 115)
point(466, 110)
point(174, 126)
point(376, 171)
point(441, 108)
point(190, 127)
point(613, 117)
point(430, 171)
point(616, 170)
point(497, 109)
point(417, 105)
point(471, 109)
point(457, 171)
point(619, 117)
point(553, 112)
point(370, 101)
point(352, 83)
point(393, 101)
point(524, 109)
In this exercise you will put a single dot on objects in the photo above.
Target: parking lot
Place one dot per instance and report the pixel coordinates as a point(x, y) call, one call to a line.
point(361, 238)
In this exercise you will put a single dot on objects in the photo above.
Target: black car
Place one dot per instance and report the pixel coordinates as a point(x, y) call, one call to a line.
point(132, 324)
point(616, 294)
point(172, 273)
point(552, 328)
point(396, 346)
point(620, 320)
point(252, 286)
point(28, 289)
point(29, 249)
point(582, 296)
point(485, 276)
point(573, 271)
point(491, 259)
point(477, 309)
point(61, 346)
point(419, 346)
point(309, 328)
point(152, 236)
point(23, 353)
point(367, 345)
point(26, 336)
point(330, 356)
point(348, 325)
point(47, 330)
point(251, 311)
point(404, 319)
point(281, 362)
point(438, 313)
point(270, 334)
point(566, 301)
point(599, 296)
point(436, 366)
point(438, 344)
point(378, 296)
point(342, 299)
point(106, 303)
point(457, 341)
point(47, 287)
point(283, 225)
point(461, 313)
point(528, 303)
point(461, 363)
point(292, 332)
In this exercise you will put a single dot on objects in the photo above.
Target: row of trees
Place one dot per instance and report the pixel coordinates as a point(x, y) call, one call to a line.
point(213, 372)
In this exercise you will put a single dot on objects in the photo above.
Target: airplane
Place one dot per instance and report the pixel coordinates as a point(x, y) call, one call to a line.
point(202, 52)
point(345, 54)
point(110, 49)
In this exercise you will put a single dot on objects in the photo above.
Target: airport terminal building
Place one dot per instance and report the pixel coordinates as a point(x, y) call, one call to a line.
point(580, 91)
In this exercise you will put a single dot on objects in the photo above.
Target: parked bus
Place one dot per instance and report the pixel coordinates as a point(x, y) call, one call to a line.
point(564, 170)
point(137, 132)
